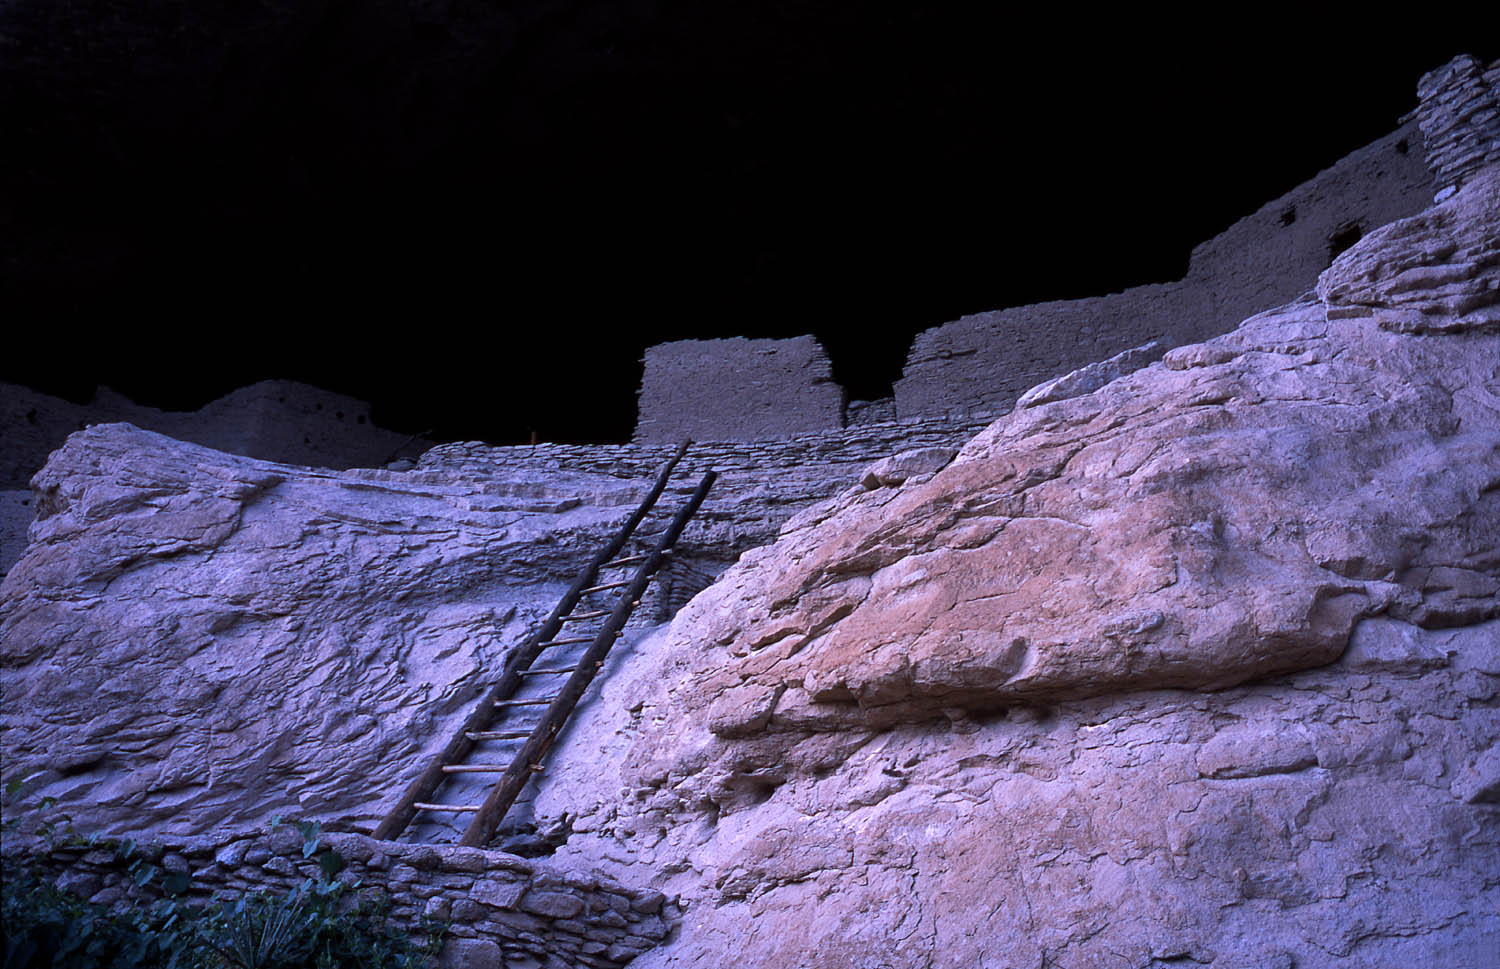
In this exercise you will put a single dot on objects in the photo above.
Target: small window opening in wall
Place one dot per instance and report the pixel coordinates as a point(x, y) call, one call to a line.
point(1343, 237)
point(1402, 147)
point(1289, 215)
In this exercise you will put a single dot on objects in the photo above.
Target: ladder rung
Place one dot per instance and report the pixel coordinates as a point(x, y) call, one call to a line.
point(635, 559)
point(586, 615)
point(566, 642)
point(606, 586)
point(482, 827)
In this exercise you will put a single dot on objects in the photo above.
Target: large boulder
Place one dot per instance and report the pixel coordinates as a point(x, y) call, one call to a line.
point(1196, 669)
point(1227, 514)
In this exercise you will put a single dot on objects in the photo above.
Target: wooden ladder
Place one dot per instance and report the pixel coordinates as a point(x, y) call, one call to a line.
point(501, 702)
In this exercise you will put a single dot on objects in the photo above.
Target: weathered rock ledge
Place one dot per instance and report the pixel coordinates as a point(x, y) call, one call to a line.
point(195, 639)
point(1198, 668)
point(1227, 514)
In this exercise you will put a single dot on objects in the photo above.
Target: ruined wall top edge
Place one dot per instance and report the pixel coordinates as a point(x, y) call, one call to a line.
point(1459, 115)
point(275, 420)
point(986, 361)
point(737, 389)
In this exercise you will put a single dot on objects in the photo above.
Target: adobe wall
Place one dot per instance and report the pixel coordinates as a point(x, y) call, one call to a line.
point(737, 389)
point(981, 364)
point(1460, 119)
point(502, 907)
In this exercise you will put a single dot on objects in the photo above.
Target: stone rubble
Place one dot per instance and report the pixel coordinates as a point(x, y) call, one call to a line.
point(498, 907)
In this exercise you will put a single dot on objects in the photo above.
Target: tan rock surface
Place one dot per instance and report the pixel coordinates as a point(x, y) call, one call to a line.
point(1334, 818)
point(1252, 723)
point(1227, 514)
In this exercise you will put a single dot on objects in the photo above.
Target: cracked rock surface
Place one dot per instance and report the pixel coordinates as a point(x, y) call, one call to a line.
point(1201, 668)
point(1227, 514)
point(195, 639)
point(1346, 816)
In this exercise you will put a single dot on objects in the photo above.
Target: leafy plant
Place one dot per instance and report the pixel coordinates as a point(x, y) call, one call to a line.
point(47, 926)
point(260, 933)
point(313, 927)
point(308, 929)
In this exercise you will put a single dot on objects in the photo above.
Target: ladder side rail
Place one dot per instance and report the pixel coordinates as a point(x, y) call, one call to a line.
point(588, 578)
point(508, 788)
point(460, 746)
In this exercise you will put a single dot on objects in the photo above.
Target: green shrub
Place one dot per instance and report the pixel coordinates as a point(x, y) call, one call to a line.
point(45, 926)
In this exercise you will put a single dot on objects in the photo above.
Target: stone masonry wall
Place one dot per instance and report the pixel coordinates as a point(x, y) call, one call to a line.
point(737, 389)
point(1460, 119)
point(503, 908)
point(981, 364)
point(761, 485)
point(275, 420)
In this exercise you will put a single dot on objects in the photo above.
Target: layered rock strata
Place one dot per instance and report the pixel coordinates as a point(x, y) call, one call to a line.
point(277, 420)
point(1460, 119)
point(195, 639)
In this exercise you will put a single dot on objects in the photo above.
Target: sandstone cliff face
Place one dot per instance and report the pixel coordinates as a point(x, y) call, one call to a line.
point(1197, 669)
point(1200, 667)
point(195, 639)
point(1226, 515)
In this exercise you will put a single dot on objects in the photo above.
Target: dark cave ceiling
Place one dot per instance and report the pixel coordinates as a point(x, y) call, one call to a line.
point(476, 215)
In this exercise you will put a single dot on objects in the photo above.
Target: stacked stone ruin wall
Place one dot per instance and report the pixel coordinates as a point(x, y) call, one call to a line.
point(499, 907)
point(761, 484)
point(983, 363)
point(1460, 119)
point(832, 453)
point(274, 420)
point(738, 389)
